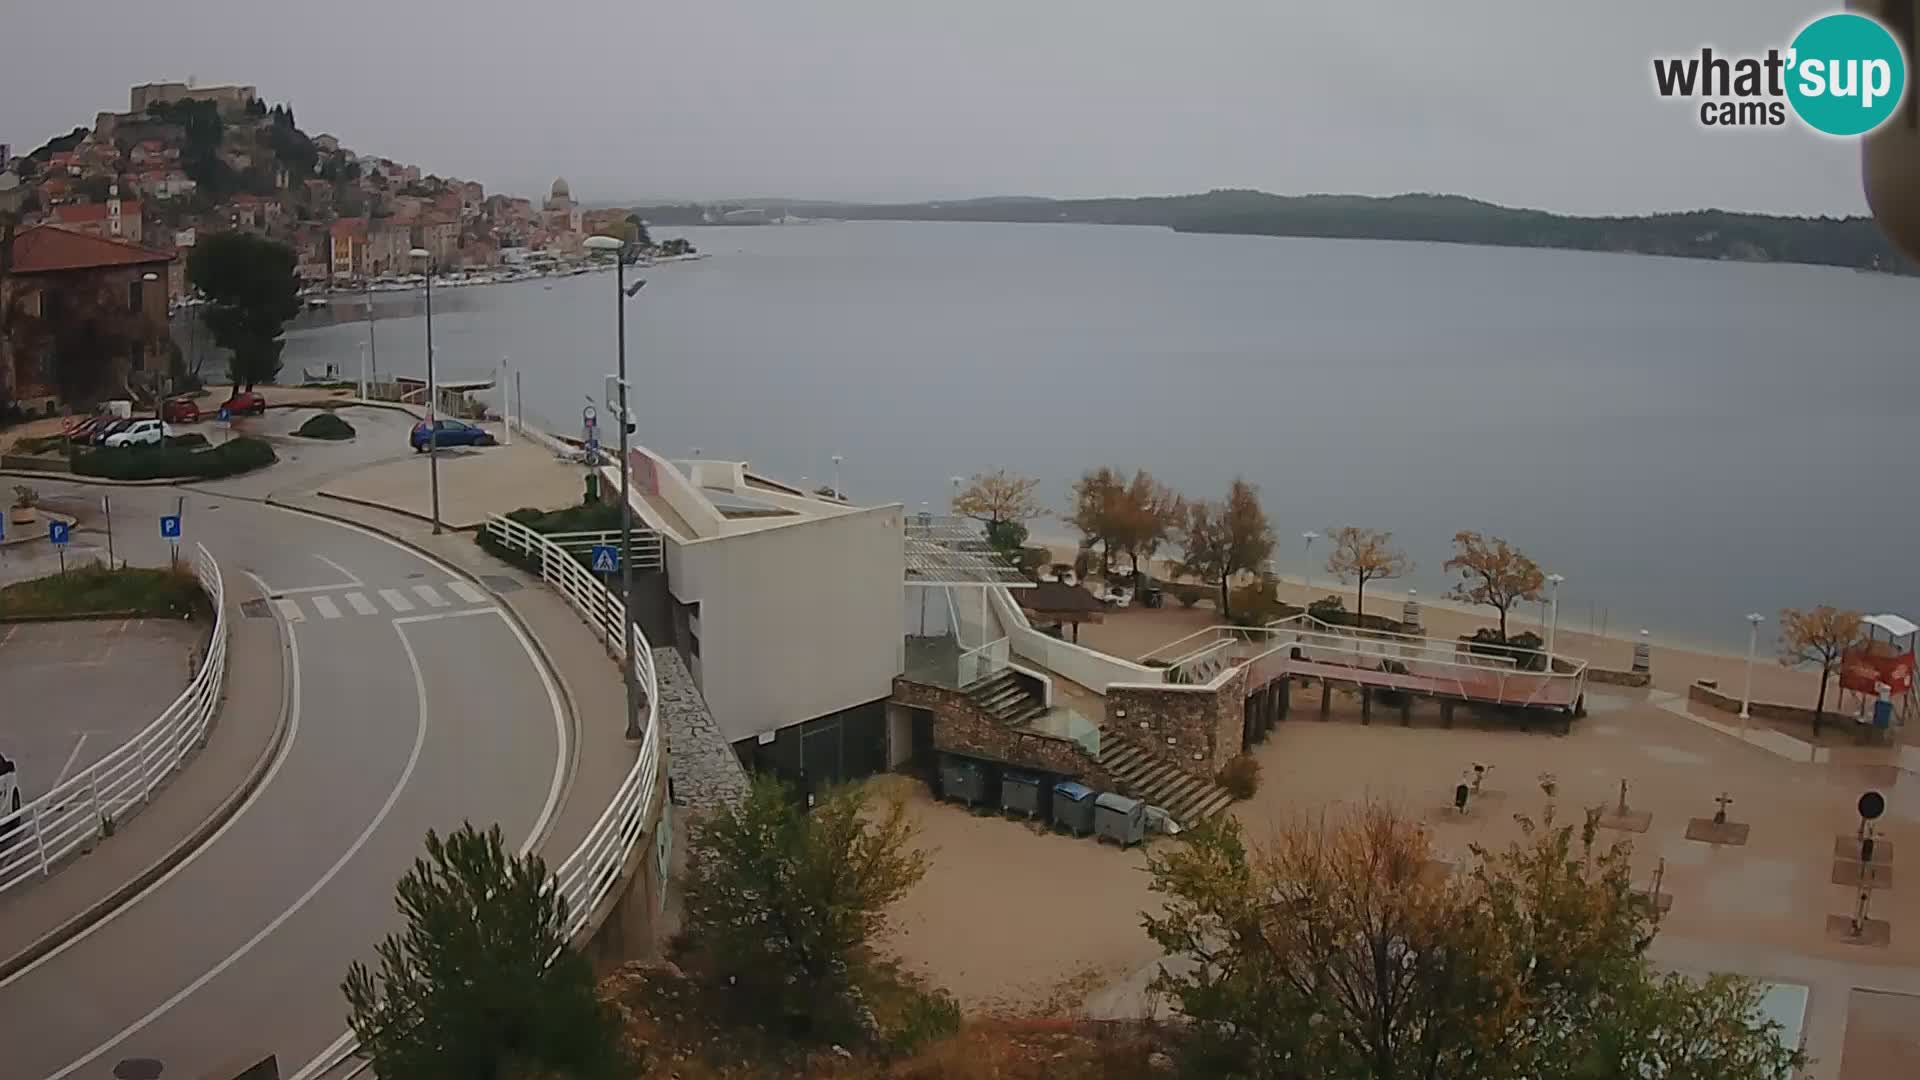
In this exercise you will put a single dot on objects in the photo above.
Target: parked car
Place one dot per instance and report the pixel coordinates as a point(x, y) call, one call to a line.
point(180, 410)
point(449, 433)
point(245, 401)
point(106, 429)
point(9, 793)
point(147, 432)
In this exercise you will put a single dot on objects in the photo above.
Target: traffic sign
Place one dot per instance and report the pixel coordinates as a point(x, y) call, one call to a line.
point(59, 532)
point(170, 526)
point(226, 414)
point(606, 558)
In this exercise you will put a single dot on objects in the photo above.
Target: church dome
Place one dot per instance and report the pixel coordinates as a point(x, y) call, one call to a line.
point(560, 188)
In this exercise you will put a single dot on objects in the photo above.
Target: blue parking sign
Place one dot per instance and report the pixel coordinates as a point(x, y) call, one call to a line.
point(225, 414)
point(170, 526)
point(606, 558)
point(59, 532)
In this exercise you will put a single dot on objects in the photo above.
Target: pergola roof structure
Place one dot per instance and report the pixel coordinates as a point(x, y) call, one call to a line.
point(944, 551)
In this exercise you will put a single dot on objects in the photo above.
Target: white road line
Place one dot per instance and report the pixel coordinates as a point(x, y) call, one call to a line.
point(344, 572)
point(71, 758)
point(360, 604)
point(273, 770)
point(304, 589)
point(406, 774)
point(290, 610)
point(325, 606)
point(431, 596)
point(396, 599)
point(438, 615)
point(467, 592)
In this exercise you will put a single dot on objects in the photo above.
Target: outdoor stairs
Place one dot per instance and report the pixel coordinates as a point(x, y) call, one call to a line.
point(1157, 782)
point(1008, 700)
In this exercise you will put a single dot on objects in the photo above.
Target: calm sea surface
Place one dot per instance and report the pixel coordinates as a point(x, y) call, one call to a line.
point(1685, 441)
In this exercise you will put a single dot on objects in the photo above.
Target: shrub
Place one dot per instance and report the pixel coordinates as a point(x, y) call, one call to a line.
point(1521, 648)
point(191, 439)
point(175, 462)
point(1329, 609)
point(325, 425)
point(95, 589)
point(1241, 776)
point(25, 496)
point(1186, 592)
point(1256, 605)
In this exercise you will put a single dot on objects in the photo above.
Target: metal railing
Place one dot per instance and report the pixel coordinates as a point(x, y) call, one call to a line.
point(648, 553)
point(983, 662)
point(588, 875)
point(99, 798)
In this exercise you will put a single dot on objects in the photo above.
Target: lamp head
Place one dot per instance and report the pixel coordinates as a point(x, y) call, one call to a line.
point(601, 242)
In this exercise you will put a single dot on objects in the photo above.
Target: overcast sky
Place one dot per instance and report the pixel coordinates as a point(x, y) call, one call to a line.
point(1536, 104)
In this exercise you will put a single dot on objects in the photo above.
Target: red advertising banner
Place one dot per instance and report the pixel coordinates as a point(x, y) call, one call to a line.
point(1864, 670)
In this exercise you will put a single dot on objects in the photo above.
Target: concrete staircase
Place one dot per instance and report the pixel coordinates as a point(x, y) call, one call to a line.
point(1008, 700)
point(1160, 783)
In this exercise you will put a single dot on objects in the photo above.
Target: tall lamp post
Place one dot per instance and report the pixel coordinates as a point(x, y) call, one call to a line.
point(1309, 537)
point(837, 459)
point(1754, 619)
point(1553, 591)
point(159, 377)
point(620, 296)
point(425, 258)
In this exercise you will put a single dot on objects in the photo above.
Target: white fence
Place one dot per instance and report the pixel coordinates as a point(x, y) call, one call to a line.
point(589, 874)
point(106, 793)
point(1093, 670)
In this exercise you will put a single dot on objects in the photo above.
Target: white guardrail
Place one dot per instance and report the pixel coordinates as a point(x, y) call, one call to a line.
point(589, 874)
point(95, 800)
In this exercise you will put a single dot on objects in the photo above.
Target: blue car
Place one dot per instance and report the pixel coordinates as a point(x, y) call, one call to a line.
point(450, 433)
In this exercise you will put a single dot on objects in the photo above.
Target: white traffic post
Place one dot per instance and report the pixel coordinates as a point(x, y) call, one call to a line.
point(1754, 619)
point(1553, 627)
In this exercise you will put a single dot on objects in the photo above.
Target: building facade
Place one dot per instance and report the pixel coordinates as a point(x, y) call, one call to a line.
point(70, 297)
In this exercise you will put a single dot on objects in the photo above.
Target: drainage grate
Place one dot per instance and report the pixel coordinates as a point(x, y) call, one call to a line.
point(138, 1069)
point(254, 609)
point(500, 583)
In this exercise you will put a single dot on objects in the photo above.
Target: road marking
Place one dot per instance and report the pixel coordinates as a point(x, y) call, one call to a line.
point(467, 592)
point(273, 770)
point(431, 596)
point(360, 604)
point(304, 589)
point(406, 774)
point(396, 600)
point(438, 615)
point(289, 610)
point(325, 606)
point(344, 572)
point(71, 758)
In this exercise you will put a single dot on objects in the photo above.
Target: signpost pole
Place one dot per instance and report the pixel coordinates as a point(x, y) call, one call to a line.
point(106, 507)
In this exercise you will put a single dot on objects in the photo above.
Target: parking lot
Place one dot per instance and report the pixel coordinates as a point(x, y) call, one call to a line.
point(76, 690)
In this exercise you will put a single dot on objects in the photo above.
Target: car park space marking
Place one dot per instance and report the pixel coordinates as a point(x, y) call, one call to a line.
point(71, 758)
point(431, 596)
point(467, 592)
point(396, 600)
point(360, 604)
point(289, 610)
point(325, 606)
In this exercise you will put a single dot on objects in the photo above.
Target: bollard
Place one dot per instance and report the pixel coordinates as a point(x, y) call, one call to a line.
point(1642, 659)
point(1410, 611)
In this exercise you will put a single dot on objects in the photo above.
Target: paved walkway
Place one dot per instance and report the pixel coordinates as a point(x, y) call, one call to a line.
point(474, 482)
point(189, 805)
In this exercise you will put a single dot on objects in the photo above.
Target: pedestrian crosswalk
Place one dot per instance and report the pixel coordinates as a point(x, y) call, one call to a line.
point(325, 606)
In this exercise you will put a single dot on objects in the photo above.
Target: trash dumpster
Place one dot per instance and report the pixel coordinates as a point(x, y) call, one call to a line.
point(1024, 793)
point(1119, 819)
point(1073, 807)
point(964, 779)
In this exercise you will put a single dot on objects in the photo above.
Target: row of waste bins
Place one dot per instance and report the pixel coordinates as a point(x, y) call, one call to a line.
point(1067, 804)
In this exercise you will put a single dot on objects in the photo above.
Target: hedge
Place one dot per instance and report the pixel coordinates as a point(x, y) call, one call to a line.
point(325, 425)
point(94, 589)
point(175, 462)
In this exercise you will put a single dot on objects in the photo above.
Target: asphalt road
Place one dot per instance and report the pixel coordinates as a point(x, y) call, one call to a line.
point(415, 705)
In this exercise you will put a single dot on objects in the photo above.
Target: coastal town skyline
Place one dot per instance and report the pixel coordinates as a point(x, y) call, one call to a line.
point(675, 104)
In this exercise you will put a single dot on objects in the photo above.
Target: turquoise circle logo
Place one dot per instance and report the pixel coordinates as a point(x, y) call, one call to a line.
point(1848, 74)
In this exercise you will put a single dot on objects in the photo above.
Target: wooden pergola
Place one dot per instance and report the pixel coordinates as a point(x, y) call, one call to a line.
point(1060, 604)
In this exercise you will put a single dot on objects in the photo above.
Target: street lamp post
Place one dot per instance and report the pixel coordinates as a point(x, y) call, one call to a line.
point(1309, 537)
point(620, 295)
point(837, 459)
point(506, 401)
point(1754, 619)
point(425, 257)
point(159, 377)
point(1553, 590)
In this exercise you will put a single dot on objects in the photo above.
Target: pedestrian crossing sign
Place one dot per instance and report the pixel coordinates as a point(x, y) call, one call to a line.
point(606, 558)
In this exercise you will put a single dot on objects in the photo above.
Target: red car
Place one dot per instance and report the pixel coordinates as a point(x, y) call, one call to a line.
point(180, 410)
point(247, 401)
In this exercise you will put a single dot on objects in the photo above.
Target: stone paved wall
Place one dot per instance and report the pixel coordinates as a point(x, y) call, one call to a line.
point(961, 727)
point(706, 773)
point(1197, 730)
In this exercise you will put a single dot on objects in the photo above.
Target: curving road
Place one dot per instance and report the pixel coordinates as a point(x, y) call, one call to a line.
point(414, 703)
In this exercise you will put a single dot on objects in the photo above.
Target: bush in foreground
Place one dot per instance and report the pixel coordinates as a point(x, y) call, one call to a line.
point(95, 590)
point(1241, 776)
point(325, 425)
point(480, 983)
point(175, 462)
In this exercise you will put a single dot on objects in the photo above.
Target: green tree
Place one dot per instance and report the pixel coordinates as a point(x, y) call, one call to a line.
point(481, 983)
point(784, 901)
point(1003, 502)
point(637, 232)
point(251, 292)
point(1097, 512)
point(1338, 951)
point(1222, 539)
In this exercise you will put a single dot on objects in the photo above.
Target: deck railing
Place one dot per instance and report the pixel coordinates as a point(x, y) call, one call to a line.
point(99, 798)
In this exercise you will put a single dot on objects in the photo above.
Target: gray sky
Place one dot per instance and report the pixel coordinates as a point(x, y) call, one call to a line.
point(1536, 104)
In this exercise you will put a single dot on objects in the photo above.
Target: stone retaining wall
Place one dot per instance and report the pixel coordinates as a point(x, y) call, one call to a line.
point(1619, 678)
point(1198, 730)
point(1766, 710)
point(962, 727)
point(706, 772)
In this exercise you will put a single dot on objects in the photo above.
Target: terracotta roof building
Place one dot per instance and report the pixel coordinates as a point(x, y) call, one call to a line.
point(61, 276)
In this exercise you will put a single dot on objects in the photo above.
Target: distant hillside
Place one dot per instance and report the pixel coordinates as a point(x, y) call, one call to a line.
point(1698, 234)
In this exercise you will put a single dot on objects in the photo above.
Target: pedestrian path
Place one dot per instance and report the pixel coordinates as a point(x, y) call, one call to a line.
point(351, 602)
